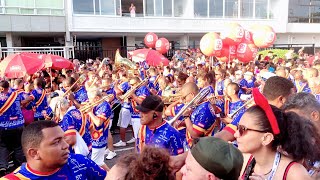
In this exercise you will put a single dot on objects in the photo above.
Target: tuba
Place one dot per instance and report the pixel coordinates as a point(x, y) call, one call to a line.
point(119, 60)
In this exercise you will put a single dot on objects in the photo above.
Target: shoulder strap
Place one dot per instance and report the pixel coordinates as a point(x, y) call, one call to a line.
point(249, 168)
point(43, 95)
point(9, 102)
point(287, 170)
point(226, 107)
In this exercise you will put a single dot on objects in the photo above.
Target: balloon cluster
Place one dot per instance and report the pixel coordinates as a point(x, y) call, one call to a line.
point(162, 45)
point(237, 42)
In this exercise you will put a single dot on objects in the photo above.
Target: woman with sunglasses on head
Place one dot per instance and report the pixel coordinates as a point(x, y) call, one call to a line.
point(277, 142)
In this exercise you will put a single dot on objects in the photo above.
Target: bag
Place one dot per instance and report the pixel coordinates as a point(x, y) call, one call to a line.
point(28, 116)
point(80, 147)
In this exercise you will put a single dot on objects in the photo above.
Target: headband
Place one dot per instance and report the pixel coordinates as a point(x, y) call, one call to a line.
point(262, 102)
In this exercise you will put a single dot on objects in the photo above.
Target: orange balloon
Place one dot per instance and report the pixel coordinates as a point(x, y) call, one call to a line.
point(162, 45)
point(263, 36)
point(246, 52)
point(232, 34)
point(150, 40)
point(211, 44)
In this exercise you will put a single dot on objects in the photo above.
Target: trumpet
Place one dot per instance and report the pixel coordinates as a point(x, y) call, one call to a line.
point(89, 106)
point(195, 101)
point(132, 90)
point(80, 80)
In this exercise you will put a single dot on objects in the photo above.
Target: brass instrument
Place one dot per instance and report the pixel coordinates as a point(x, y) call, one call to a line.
point(240, 108)
point(171, 98)
point(132, 90)
point(89, 106)
point(195, 101)
point(80, 80)
point(119, 60)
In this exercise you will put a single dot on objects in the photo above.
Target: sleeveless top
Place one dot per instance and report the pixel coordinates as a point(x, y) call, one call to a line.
point(252, 162)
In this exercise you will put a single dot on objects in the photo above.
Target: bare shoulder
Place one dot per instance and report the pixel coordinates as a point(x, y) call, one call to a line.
point(298, 171)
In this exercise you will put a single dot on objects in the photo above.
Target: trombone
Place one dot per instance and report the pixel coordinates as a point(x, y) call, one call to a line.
point(132, 90)
point(89, 106)
point(80, 80)
point(195, 101)
point(240, 108)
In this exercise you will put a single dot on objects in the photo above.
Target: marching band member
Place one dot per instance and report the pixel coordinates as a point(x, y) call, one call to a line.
point(156, 131)
point(202, 120)
point(171, 111)
point(241, 81)
point(153, 80)
point(99, 118)
point(314, 84)
point(204, 81)
point(231, 104)
point(300, 84)
point(40, 99)
point(219, 75)
point(74, 124)
point(11, 126)
point(125, 116)
point(136, 99)
point(79, 93)
point(48, 156)
point(114, 103)
point(92, 80)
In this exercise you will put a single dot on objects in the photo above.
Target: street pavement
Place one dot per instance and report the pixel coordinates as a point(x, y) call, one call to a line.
point(120, 150)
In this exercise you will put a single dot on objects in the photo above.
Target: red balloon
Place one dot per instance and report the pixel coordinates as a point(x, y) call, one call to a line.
point(150, 40)
point(227, 52)
point(232, 34)
point(246, 52)
point(247, 38)
point(263, 36)
point(162, 45)
point(211, 44)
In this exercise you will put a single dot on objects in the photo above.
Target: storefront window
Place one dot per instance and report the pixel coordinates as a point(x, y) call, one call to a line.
point(216, 8)
point(201, 8)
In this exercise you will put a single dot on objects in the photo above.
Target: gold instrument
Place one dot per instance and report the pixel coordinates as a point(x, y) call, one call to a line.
point(195, 101)
point(80, 80)
point(171, 98)
point(89, 106)
point(240, 108)
point(119, 60)
point(133, 89)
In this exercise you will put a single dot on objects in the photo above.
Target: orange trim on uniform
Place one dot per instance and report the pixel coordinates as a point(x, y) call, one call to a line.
point(231, 128)
point(198, 129)
point(226, 107)
point(38, 173)
point(142, 136)
point(43, 95)
point(8, 102)
point(70, 132)
point(102, 117)
point(83, 124)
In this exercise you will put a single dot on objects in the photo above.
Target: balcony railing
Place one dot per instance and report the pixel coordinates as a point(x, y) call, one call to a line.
point(64, 51)
point(19, 10)
point(297, 19)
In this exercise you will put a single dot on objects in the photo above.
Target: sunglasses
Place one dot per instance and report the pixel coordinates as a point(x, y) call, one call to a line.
point(243, 129)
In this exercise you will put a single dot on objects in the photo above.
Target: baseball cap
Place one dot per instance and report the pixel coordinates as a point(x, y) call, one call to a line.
point(151, 103)
point(218, 157)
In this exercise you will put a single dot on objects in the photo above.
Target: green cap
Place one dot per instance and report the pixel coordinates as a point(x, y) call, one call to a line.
point(218, 157)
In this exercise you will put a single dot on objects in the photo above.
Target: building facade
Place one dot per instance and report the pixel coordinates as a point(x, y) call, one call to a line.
point(95, 27)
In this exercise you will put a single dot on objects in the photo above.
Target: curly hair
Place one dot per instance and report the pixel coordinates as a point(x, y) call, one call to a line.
point(298, 137)
point(152, 164)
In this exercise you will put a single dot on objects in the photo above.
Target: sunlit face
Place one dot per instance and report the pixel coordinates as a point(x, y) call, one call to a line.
point(250, 141)
point(192, 170)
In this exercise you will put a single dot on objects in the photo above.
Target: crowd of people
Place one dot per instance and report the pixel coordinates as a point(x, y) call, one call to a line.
point(193, 119)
